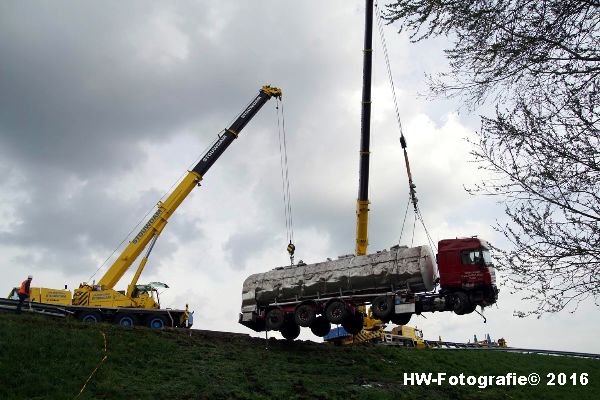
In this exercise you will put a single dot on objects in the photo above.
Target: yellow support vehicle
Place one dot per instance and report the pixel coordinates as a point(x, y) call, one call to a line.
point(401, 335)
point(405, 335)
point(373, 331)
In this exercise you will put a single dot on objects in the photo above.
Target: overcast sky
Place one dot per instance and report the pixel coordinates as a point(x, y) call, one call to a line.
point(104, 105)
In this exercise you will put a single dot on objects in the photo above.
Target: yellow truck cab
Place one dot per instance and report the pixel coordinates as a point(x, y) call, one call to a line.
point(412, 336)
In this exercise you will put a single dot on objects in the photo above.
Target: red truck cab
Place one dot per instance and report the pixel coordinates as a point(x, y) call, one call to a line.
point(466, 270)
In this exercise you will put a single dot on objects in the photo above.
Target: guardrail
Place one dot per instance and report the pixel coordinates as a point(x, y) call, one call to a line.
point(436, 345)
point(37, 308)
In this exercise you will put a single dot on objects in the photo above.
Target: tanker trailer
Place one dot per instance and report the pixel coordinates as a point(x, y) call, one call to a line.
point(396, 283)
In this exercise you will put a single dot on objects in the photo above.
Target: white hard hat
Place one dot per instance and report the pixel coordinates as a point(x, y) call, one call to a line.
point(30, 277)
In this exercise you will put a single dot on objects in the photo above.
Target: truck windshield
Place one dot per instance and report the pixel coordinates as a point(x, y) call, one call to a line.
point(477, 257)
point(487, 258)
point(471, 257)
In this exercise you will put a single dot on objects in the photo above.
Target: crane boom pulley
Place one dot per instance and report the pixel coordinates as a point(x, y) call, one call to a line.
point(412, 187)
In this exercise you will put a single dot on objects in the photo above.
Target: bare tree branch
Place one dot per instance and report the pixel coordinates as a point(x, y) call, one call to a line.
point(539, 62)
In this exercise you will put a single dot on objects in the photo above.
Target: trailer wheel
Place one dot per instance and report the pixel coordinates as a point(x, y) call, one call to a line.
point(127, 320)
point(290, 330)
point(354, 323)
point(383, 307)
point(275, 319)
point(401, 319)
point(320, 327)
point(304, 315)
point(91, 316)
point(156, 321)
point(336, 312)
point(461, 303)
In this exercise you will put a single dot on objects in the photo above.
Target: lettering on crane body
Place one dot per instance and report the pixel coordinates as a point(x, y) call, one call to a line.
point(56, 295)
point(147, 226)
point(250, 107)
point(101, 296)
point(214, 148)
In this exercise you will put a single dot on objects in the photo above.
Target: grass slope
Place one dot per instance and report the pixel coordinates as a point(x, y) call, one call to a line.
point(52, 359)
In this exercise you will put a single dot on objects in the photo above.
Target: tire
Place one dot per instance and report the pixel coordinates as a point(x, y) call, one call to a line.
point(90, 316)
point(304, 315)
point(354, 323)
point(156, 321)
point(275, 319)
point(320, 327)
point(290, 330)
point(383, 308)
point(471, 308)
point(461, 303)
point(401, 319)
point(337, 312)
point(126, 320)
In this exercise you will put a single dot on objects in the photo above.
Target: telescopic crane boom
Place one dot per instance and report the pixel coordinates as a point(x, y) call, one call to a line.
point(362, 203)
point(104, 291)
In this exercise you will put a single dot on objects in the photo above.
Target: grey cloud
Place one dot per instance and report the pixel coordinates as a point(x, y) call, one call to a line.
point(74, 95)
point(241, 245)
point(65, 226)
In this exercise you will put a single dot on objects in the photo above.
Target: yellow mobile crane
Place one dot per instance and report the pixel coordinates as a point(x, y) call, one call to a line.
point(100, 301)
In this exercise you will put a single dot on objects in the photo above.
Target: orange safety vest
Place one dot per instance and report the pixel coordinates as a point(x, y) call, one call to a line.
point(24, 289)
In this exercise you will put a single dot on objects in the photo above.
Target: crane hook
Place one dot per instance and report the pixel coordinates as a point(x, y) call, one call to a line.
point(291, 249)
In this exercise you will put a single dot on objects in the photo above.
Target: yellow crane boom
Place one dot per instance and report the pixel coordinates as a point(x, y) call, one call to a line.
point(103, 292)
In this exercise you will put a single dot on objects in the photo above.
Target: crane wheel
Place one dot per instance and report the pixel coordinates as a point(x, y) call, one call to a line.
point(91, 316)
point(337, 312)
point(275, 319)
point(127, 320)
point(401, 319)
point(383, 307)
point(290, 330)
point(320, 327)
point(156, 321)
point(354, 323)
point(304, 315)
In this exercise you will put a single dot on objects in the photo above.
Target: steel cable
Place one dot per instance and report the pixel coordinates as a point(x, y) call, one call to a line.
point(285, 178)
point(418, 214)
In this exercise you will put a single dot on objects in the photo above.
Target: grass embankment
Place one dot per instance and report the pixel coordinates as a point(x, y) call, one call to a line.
point(52, 359)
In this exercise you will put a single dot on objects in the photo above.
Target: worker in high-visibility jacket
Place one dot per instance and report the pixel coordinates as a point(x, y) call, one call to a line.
point(24, 293)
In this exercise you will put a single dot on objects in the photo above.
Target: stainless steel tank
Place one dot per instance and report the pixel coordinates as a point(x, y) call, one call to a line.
point(398, 268)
